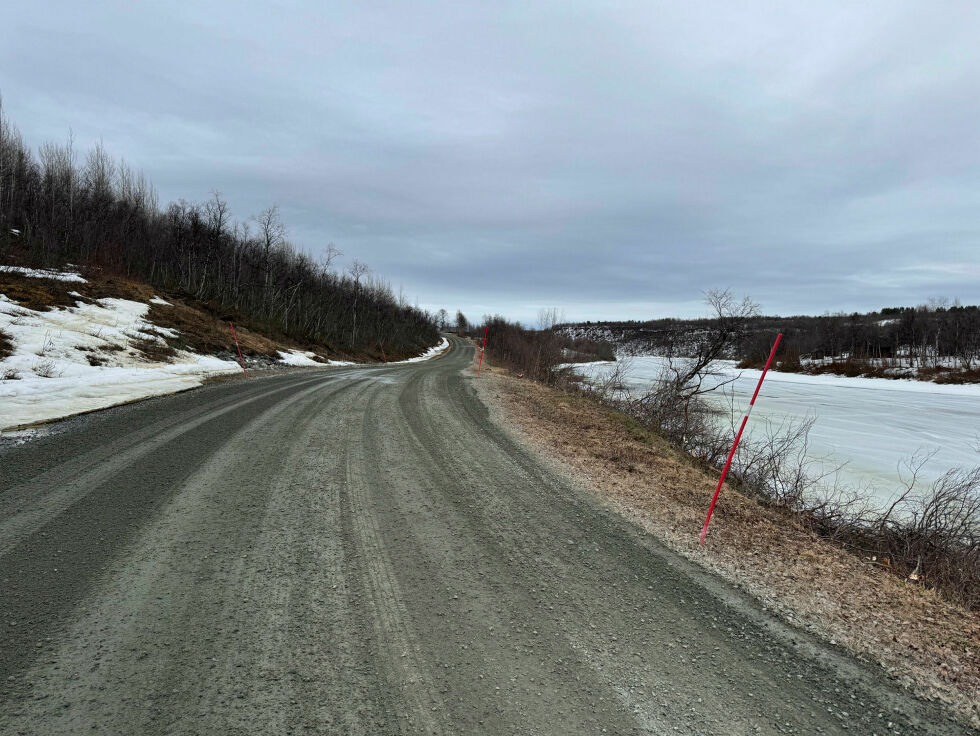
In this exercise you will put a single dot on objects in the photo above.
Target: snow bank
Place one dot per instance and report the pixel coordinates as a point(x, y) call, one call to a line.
point(430, 353)
point(40, 273)
point(82, 358)
point(296, 357)
point(51, 373)
point(300, 358)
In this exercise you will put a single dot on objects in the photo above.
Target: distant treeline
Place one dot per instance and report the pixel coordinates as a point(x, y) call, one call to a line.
point(62, 208)
point(940, 334)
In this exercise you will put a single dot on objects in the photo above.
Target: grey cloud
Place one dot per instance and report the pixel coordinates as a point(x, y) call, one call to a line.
point(612, 160)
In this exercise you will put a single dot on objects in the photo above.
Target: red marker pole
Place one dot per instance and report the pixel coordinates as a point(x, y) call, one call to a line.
point(482, 348)
point(745, 420)
point(240, 358)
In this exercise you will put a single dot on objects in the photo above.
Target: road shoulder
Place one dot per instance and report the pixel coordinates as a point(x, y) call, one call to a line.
point(924, 643)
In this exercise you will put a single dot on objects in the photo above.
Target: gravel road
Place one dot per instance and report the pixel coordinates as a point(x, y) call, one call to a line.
point(361, 550)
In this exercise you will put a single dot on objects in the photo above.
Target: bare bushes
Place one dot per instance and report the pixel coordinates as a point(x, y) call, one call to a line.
point(46, 369)
point(539, 354)
point(929, 534)
point(534, 354)
point(584, 350)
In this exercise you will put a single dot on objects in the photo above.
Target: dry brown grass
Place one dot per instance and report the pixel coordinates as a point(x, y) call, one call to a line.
point(202, 332)
point(152, 350)
point(6, 345)
point(929, 644)
point(37, 294)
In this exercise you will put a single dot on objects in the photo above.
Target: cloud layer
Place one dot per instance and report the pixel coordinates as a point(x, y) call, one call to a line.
point(611, 159)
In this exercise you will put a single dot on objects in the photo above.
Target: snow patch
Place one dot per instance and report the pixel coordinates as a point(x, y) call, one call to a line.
point(82, 358)
point(430, 353)
point(41, 273)
point(158, 300)
point(298, 358)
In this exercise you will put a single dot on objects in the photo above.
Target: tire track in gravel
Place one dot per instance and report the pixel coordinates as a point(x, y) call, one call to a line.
point(166, 644)
point(46, 573)
point(23, 509)
point(396, 644)
point(508, 669)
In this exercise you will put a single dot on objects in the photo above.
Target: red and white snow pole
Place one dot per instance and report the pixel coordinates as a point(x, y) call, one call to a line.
point(482, 348)
point(745, 420)
point(240, 358)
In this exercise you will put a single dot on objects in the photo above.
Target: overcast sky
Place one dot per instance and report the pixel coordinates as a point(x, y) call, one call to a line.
point(612, 159)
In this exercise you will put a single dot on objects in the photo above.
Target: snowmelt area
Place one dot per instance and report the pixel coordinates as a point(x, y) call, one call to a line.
point(301, 358)
point(872, 424)
point(71, 360)
point(297, 357)
point(40, 273)
point(51, 372)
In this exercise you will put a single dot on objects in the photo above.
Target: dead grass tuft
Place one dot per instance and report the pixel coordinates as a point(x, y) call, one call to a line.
point(6, 345)
point(153, 350)
point(37, 294)
point(930, 644)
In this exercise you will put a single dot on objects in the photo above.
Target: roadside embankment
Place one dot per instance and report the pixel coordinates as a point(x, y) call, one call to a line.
point(928, 644)
point(71, 344)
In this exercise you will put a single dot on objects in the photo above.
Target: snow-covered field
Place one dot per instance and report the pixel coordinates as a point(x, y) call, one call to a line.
point(872, 424)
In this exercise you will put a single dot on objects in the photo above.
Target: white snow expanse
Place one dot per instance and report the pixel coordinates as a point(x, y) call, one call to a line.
point(873, 424)
point(50, 374)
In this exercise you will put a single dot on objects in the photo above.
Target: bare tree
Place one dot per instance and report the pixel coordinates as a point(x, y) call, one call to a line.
point(357, 271)
point(549, 317)
point(331, 254)
point(676, 402)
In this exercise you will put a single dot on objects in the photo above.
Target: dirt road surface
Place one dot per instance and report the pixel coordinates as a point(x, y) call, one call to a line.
point(361, 550)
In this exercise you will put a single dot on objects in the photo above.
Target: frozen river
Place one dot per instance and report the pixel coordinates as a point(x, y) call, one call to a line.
point(872, 424)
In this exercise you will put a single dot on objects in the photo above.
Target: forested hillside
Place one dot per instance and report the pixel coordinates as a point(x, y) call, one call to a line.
point(62, 206)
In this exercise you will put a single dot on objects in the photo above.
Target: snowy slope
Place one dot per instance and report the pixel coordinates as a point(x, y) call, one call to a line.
point(71, 360)
point(301, 358)
point(51, 373)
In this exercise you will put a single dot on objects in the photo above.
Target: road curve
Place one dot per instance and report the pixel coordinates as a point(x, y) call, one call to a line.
point(361, 550)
